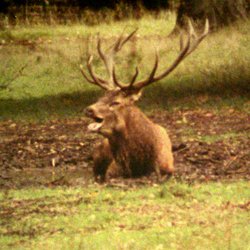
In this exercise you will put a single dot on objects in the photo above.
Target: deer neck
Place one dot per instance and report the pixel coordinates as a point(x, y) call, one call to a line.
point(134, 126)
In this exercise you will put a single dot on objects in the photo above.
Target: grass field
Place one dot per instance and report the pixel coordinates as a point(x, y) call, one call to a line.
point(42, 96)
point(170, 216)
point(51, 85)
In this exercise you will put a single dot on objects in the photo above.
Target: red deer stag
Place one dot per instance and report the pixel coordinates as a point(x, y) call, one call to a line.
point(133, 145)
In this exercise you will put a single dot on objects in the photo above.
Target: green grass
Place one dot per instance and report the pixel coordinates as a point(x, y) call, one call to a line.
point(149, 25)
point(51, 86)
point(189, 134)
point(170, 216)
point(222, 137)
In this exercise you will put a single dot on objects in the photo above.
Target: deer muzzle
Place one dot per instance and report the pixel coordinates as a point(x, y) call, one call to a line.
point(95, 126)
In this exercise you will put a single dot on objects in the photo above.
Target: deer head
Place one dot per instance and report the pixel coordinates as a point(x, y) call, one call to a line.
point(120, 94)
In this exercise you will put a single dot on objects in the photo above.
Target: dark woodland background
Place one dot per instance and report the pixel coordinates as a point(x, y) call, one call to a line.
point(219, 12)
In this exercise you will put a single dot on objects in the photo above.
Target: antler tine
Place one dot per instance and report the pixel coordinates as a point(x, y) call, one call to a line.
point(121, 41)
point(140, 84)
point(89, 80)
point(198, 39)
point(147, 81)
point(152, 78)
point(191, 29)
point(116, 82)
point(117, 45)
point(126, 39)
point(134, 77)
point(122, 85)
point(108, 58)
point(180, 57)
point(84, 74)
point(99, 49)
point(181, 41)
point(186, 49)
point(96, 79)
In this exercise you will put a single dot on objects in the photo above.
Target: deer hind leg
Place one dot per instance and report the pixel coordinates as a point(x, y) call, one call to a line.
point(165, 159)
point(166, 167)
point(162, 173)
point(165, 164)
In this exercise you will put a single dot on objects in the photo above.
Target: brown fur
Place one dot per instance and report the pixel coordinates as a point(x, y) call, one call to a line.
point(134, 145)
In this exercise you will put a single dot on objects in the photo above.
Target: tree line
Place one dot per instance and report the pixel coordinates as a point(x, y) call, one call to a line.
point(219, 12)
point(68, 11)
point(97, 4)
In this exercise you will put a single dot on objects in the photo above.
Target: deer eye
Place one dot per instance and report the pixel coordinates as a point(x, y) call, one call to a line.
point(115, 103)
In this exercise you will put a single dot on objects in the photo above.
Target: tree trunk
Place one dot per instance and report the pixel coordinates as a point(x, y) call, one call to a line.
point(219, 12)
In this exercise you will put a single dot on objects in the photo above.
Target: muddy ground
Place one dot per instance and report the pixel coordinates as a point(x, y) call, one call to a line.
point(207, 146)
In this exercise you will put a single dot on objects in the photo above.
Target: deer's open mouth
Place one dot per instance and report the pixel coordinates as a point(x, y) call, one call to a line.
point(95, 126)
point(98, 119)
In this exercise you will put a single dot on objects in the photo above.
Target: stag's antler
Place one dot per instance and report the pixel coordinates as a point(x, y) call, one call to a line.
point(185, 49)
point(108, 60)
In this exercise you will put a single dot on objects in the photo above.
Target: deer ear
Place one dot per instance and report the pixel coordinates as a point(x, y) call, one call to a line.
point(136, 96)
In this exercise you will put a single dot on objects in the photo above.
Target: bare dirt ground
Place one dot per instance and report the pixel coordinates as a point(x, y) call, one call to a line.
point(207, 146)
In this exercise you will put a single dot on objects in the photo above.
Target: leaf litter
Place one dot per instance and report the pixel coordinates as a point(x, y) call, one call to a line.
point(207, 146)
